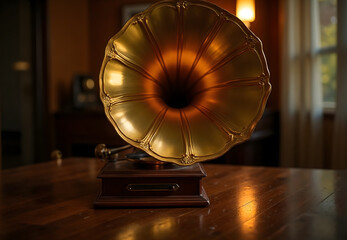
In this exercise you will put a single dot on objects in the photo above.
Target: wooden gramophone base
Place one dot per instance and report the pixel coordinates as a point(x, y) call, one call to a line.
point(128, 184)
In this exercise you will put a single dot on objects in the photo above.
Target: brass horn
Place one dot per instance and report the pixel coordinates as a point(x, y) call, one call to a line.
point(184, 81)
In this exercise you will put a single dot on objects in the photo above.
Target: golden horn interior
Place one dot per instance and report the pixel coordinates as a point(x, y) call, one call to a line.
point(184, 81)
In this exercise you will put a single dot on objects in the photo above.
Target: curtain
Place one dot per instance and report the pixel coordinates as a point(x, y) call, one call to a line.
point(301, 93)
point(339, 159)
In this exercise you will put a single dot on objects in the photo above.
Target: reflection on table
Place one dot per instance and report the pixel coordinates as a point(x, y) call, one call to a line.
point(54, 200)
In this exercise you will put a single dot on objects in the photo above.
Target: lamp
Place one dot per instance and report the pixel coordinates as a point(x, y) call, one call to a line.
point(245, 10)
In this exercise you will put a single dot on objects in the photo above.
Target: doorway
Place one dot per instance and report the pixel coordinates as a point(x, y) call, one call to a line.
point(22, 83)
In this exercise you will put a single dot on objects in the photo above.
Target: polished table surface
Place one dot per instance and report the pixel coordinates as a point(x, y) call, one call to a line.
point(54, 200)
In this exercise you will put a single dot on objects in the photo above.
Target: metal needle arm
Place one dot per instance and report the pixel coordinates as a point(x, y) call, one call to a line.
point(101, 151)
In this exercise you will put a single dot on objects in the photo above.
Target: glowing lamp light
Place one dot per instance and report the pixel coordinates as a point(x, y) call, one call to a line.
point(245, 10)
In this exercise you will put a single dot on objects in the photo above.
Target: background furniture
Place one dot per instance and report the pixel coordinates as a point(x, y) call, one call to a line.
point(78, 132)
point(53, 200)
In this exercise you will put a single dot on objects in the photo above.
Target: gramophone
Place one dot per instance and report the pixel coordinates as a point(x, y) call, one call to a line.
point(182, 82)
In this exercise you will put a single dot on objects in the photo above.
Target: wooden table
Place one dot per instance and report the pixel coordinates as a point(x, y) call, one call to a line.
point(53, 200)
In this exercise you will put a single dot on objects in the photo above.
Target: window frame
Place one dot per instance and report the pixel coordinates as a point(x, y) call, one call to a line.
point(328, 107)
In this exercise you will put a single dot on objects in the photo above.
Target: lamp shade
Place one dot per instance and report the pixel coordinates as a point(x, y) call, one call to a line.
point(245, 10)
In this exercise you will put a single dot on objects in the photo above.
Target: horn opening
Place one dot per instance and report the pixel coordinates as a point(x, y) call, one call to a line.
point(183, 91)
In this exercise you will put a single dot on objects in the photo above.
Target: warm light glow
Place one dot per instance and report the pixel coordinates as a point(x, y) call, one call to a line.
point(90, 83)
point(247, 208)
point(129, 233)
point(163, 226)
point(245, 10)
point(115, 79)
point(127, 124)
point(21, 66)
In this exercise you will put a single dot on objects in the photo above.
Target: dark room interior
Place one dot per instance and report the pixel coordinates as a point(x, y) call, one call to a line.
point(52, 118)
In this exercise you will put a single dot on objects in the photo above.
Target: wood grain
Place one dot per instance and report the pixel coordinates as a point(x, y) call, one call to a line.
point(54, 200)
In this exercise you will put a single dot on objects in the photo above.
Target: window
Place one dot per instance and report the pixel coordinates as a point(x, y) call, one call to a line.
point(327, 38)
